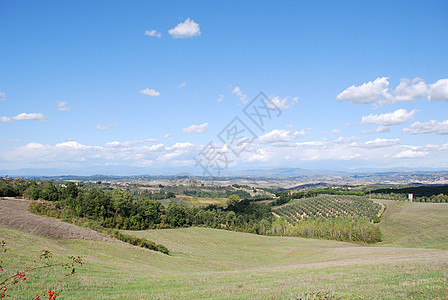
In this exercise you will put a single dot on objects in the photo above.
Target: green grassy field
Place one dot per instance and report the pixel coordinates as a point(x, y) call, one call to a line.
point(203, 201)
point(209, 263)
point(415, 224)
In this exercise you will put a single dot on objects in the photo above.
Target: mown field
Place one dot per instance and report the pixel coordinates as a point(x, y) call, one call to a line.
point(209, 263)
point(415, 224)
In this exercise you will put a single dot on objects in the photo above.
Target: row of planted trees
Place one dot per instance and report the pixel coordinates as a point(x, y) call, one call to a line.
point(351, 229)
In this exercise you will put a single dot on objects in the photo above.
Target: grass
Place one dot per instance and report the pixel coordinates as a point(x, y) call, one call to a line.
point(209, 263)
point(415, 224)
point(203, 201)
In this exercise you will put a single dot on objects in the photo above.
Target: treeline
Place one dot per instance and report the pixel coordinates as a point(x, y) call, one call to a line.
point(441, 198)
point(419, 191)
point(54, 210)
point(286, 196)
point(348, 229)
point(120, 210)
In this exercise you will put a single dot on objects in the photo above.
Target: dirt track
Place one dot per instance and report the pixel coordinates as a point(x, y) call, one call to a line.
point(14, 215)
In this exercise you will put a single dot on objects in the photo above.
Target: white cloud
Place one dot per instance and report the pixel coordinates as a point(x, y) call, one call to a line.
point(72, 145)
point(25, 117)
point(116, 144)
point(187, 29)
point(196, 128)
point(438, 91)
point(280, 136)
point(406, 91)
point(30, 117)
point(2, 96)
point(167, 136)
point(387, 119)
point(183, 84)
point(377, 143)
point(150, 92)
point(106, 126)
point(221, 97)
point(367, 92)
point(284, 103)
point(62, 106)
point(409, 90)
point(432, 126)
point(5, 119)
point(238, 92)
point(411, 154)
point(345, 140)
point(379, 129)
point(153, 33)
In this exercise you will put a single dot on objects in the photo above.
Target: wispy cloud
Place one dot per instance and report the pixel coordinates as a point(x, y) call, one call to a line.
point(153, 33)
point(150, 92)
point(2, 96)
point(220, 98)
point(187, 29)
point(62, 106)
point(239, 93)
point(183, 84)
point(433, 126)
point(196, 128)
point(283, 103)
point(106, 126)
point(127, 144)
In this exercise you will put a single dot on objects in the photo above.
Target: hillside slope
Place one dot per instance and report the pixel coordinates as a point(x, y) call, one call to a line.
point(415, 224)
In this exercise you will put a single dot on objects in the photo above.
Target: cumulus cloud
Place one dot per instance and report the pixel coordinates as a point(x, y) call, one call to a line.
point(239, 93)
point(153, 33)
point(150, 92)
point(409, 90)
point(62, 106)
point(438, 91)
point(284, 103)
point(368, 92)
point(196, 128)
point(187, 29)
point(25, 117)
point(280, 136)
point(432, 126)
point(388, 119)
point(106, 126)
point(411, 154)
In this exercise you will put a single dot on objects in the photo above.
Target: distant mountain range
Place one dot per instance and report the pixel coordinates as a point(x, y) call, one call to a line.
point(128, 173)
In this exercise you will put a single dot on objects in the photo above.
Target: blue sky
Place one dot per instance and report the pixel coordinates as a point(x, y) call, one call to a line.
point(91, 86)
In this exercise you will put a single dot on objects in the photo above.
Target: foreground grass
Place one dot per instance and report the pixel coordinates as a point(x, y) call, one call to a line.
point(208, 263)
point(415, 224)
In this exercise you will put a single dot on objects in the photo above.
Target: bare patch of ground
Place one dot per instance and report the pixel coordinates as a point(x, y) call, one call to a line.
point(14, 215)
